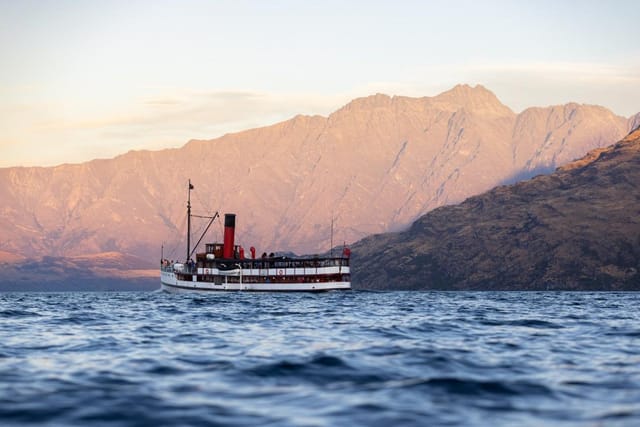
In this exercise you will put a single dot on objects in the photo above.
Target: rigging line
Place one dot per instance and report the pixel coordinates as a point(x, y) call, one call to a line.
point(219, 222)
point(203, 233)
point(202, 226)
point(175, 240)
point(180, 230)
point(197, 233)
point(221, 228)
point(172, 251)
point(205, 205)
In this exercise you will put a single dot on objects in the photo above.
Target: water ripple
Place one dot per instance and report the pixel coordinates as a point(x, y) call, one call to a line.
point(356, 358)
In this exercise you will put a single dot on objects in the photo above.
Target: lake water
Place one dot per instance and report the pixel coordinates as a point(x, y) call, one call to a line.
point(334, 359)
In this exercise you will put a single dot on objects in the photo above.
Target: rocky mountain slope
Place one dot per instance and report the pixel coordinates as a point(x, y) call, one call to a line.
point(577, 228)
point(374, 165)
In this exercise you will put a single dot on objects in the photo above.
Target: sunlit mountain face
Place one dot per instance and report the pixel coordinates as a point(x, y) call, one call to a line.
point(372, 166)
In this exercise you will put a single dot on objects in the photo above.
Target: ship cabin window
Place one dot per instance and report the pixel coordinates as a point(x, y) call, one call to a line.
point(215, 249)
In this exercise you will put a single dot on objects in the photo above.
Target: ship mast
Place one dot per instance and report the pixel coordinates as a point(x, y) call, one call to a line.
point(189, 223)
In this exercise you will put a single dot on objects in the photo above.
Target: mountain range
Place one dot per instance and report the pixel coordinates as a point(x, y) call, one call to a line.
point(374, 165)
point(575, 229)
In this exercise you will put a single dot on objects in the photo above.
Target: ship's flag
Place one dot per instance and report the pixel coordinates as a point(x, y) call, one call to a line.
point(191, 187)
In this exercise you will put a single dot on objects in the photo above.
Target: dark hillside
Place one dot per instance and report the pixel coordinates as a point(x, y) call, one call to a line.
point(575, 229)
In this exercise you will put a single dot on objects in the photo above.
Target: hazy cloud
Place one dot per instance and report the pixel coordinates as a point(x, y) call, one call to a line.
point(527, 84)
point(162, 117)
point(159, 121)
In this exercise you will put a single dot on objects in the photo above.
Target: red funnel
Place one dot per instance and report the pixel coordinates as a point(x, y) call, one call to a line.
point(229, 235)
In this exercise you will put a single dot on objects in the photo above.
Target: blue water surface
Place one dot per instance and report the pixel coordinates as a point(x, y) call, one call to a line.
point(334, 359)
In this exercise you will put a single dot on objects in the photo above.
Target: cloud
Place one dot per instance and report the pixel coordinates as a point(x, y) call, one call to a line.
point(203, 109)
point(584, 71)
point(524, 84)
point(167, 117)
point(161, 117)
point(162, 101)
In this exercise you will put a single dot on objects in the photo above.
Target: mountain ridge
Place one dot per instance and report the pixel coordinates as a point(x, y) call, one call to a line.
point(374, 165)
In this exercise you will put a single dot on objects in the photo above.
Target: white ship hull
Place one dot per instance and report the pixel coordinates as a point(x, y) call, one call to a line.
point(170, 283)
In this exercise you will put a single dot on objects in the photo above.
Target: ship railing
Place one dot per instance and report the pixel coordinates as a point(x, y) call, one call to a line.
point(179, 267)
point(190, 269)
point(265, 263)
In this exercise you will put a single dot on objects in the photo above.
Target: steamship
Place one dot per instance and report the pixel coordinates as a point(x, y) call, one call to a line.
point(224, 267)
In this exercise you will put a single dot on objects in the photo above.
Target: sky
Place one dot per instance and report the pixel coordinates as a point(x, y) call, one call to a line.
point(93, 79)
